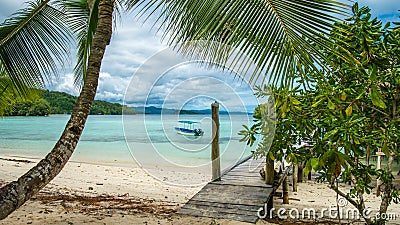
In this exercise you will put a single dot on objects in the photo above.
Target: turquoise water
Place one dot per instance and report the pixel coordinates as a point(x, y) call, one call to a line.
point(133, 139)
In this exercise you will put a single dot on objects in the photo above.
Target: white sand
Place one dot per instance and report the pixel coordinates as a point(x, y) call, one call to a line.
point(154, 202)
point(319, 196)
point(92, 179)
point(134, 197)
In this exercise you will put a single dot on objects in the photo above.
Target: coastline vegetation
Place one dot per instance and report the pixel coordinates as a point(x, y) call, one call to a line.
point(54, 102)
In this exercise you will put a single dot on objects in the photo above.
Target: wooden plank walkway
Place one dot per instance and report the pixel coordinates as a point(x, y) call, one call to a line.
point(238, 196)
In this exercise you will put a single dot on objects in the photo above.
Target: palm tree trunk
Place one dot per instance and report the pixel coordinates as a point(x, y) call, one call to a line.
point(16, 193)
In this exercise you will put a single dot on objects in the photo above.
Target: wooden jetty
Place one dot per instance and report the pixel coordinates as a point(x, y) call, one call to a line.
point(237, 196)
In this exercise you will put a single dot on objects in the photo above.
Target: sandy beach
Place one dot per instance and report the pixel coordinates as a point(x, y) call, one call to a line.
point(320, 197)
point(93, 194)
point(103, 194)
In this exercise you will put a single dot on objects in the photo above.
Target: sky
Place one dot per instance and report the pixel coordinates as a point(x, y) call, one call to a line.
point(134, 45)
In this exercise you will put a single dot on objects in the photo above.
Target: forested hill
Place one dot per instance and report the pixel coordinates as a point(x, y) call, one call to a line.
point(54, 102)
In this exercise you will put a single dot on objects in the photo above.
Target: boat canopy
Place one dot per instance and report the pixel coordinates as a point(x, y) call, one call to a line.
point(189, 129)
point(187, 121)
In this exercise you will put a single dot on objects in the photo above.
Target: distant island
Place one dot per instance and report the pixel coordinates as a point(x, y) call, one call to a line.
point(54, 102)
point(157, 110)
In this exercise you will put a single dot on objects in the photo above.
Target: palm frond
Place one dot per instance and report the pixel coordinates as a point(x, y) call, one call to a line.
point(6, 90)
point(274, 34)
point(34, 44)
point(82, 20)
point(10, 95)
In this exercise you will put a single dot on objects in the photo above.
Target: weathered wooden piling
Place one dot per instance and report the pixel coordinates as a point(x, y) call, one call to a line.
point(285, 190)
point(215, 157)
point(295, 173)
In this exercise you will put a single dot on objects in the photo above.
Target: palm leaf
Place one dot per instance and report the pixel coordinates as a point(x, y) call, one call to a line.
point(276, 35)
point(82, 20)
point(6, 90)
point(34, 43)
point(9, 94)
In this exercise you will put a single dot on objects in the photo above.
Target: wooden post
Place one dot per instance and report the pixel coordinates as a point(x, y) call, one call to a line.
point(379, 166)
point(300, 173)
point(269, 172)
point(216, 164)
point(285, 190)
point(295, 172)
point(269, 179)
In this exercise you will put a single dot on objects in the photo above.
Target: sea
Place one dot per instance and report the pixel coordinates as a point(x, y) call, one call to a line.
point(131, 140)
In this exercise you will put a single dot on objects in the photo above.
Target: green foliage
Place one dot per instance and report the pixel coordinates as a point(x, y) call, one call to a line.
point(10, 97)
point(39, 107)
point(393, 194)
point(106, 108)
point(354, 107)
point(249, 134)
point(271, 34)
point(34, 42)
point(52, 102)
point(60, 102)
point(83, 22)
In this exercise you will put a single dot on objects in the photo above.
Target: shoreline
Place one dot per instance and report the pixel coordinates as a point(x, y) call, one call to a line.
point(199, 178)
point(93, 193)
point(113, 163)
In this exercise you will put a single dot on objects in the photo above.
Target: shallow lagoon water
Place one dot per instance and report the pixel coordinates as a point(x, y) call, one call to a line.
point(131, 140)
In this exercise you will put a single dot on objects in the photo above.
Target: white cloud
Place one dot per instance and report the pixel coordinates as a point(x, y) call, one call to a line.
point(104, 75)
point(65, 84)
point(189, 86)
point(117, 97)
point(111, 88)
